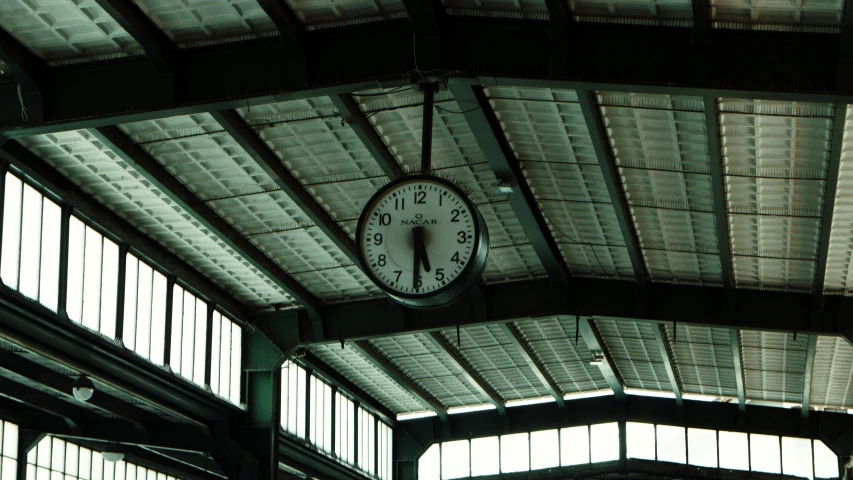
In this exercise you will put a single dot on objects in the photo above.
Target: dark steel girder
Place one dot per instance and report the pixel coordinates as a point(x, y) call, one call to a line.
point(737, 360)
point(427, 18)
point(466, 371)
point(829, 200)
point(666, 355)
point(523, 348)
point(606, 365)
point(85, 205)
point(807, 378)
point(797, 66)
point(291, 32)
point(487, 131)
point(248, 139)
point(372, 355)
point(612, 178)
point(164, 181)
point(161, 51)
point(355, 118)
point(28, 70)
point(718, 188)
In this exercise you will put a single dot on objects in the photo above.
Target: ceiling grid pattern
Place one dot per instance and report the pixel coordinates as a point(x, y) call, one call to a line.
point(832, 377)
point(208, 20)
point(335, 13)
point(633, 347)
point(839, 261)
point(774, 365)
point(704, 360)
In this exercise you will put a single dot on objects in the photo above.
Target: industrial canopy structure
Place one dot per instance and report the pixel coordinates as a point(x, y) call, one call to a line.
point(181, 182)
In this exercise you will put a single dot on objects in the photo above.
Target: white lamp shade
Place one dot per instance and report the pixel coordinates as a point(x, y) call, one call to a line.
point(112, 456)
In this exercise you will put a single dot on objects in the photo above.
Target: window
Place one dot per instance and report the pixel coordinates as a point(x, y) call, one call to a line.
point(702, 447)
point(144, 329)
point(604, 442)
point(797, 457)
point(8, 450)
point(366, 441)
point(189, 335)
point(344, 428)
point(544, 449)
point(92, 278)
point(764, 453)
point(455, 460)
point(386, 451)
point(671, 445)
point(429, 465)
point(321, 415)
point(226, 358)
point(641, 440)
point(515, 453)
point(485, 456)
point(31, 232)
point(574, 446)
point(56, 459)
point(293, 396)
point(825, 462)
point(734, 450)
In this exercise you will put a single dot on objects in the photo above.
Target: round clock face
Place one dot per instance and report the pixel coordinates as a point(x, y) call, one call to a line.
point(422, 241)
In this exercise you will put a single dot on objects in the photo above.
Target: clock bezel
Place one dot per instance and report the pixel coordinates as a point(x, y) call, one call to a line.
point(467, 278)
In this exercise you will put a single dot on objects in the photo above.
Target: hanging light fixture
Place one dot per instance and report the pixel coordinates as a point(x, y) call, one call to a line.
point(83, 388)
point(111, 453)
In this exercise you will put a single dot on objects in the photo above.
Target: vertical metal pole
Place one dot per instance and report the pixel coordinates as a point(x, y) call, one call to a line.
point(208, 344)
point(334, 420)
point(120, 293)
point(375, 445)
point(426, 146)
point(623, 443)
point(357, 432)
point(167, 335)
point(4, 169)
point(308, 403)
point(64, 236)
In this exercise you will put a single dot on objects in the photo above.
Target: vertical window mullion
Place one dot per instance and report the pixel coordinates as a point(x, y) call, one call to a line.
point(167, 335)
point(64, 237)
point(120, 292)
point(209, 343)
point(20, 240)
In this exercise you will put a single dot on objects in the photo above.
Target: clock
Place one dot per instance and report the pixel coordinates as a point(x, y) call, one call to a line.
point(422, 241)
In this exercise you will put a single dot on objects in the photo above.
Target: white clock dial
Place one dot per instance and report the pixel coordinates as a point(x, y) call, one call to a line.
point(419, 236)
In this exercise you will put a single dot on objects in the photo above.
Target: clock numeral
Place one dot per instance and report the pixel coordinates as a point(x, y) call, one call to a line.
point(455, 214)
point(377, 239)
point(381, 261)
point(399, 204)
point(418, 282)
point(385, 219)
point(455, 258)
point(398, 272)
point(439, 274)
point(420, 197)
point(463, 237)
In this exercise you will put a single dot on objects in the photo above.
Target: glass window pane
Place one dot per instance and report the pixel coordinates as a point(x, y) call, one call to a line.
point(671, 444)
point(10, 440)
point(57, 455)
point(43, 453)
point(85, 463)
point(485, 454)
point(130, 295)
point(200, 337)
point(76, 250)
point(764, 453)
point(9, 469)
point(429, 464)
point(515, 453)
point(641, 440)
point(30, 243)
point(71, 459)
point(236, 362)
point(455, 459)
point(188, 336)
point(574, 446)
point(702, 447)
point(92, 279)
point(797, 457)
point(825, 461)
point(143, 310)
point(216, 358)
point(158, 319)
point(97, 466)
point(734, 450)
point(177, 328)
point(11, 231)
point(544, 449)
point(49, 281)
point(604, 442)
point(109, 288)
point(225, 362)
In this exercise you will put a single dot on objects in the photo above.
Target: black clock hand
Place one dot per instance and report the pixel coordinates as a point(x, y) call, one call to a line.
point(424, 257)
point(417, 234)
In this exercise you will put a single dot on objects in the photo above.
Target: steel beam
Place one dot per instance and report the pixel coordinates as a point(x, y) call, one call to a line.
point(487, 131)
point(290, 32)
point(161, 51)
point(560, 17)
point(467, 371)
point(28, 70)
point(734, 336)
point(666, 355)
point(245, 136)
point(157, 174)
point(829, 201)
point(523, 348)
point(426, 17)
point(355, 118)
point(399, 377)
point(596, 347)
point(809, 372)
point(612, 178)
point(718, 187)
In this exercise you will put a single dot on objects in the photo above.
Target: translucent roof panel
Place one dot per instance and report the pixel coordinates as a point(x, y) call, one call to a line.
point(322, 13)
point(504, 8)
point(775, 156)
point(634, 349)
point(89, 164)
point(661, 146)
point(832, 375)
point(548, 135)
point(774, 365)
point(652, 12)
point(397, 118)
point(563, 355)
point(349, 363)
point(251, 202)
point(839, 270)
point(432, 369)
point(704, 359)
point(203, 20)
point(65, 29)
point(814, 15)
point(498, 360)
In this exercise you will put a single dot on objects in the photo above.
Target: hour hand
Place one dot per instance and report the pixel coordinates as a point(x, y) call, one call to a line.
point(420, 247)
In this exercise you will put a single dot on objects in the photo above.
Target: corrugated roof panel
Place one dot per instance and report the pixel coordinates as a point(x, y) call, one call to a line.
point(832, 375)
point(776, 14)
point(352, 366)
point(432, 369)
point(604, 10)
point(775, 155)
point(704, 359)
point(683, 267)
point(563, 354)
point(201, 20)
point(498, 360)
point(64, 29)
point(633, 347)
point(89, 164)
point(215, 162)
point(839, 271)
point(535, 9)
point(773, 365)
point(548, 134)
point(322, 13)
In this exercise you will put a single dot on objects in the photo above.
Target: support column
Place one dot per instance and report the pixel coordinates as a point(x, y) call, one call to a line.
point(263, 396)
